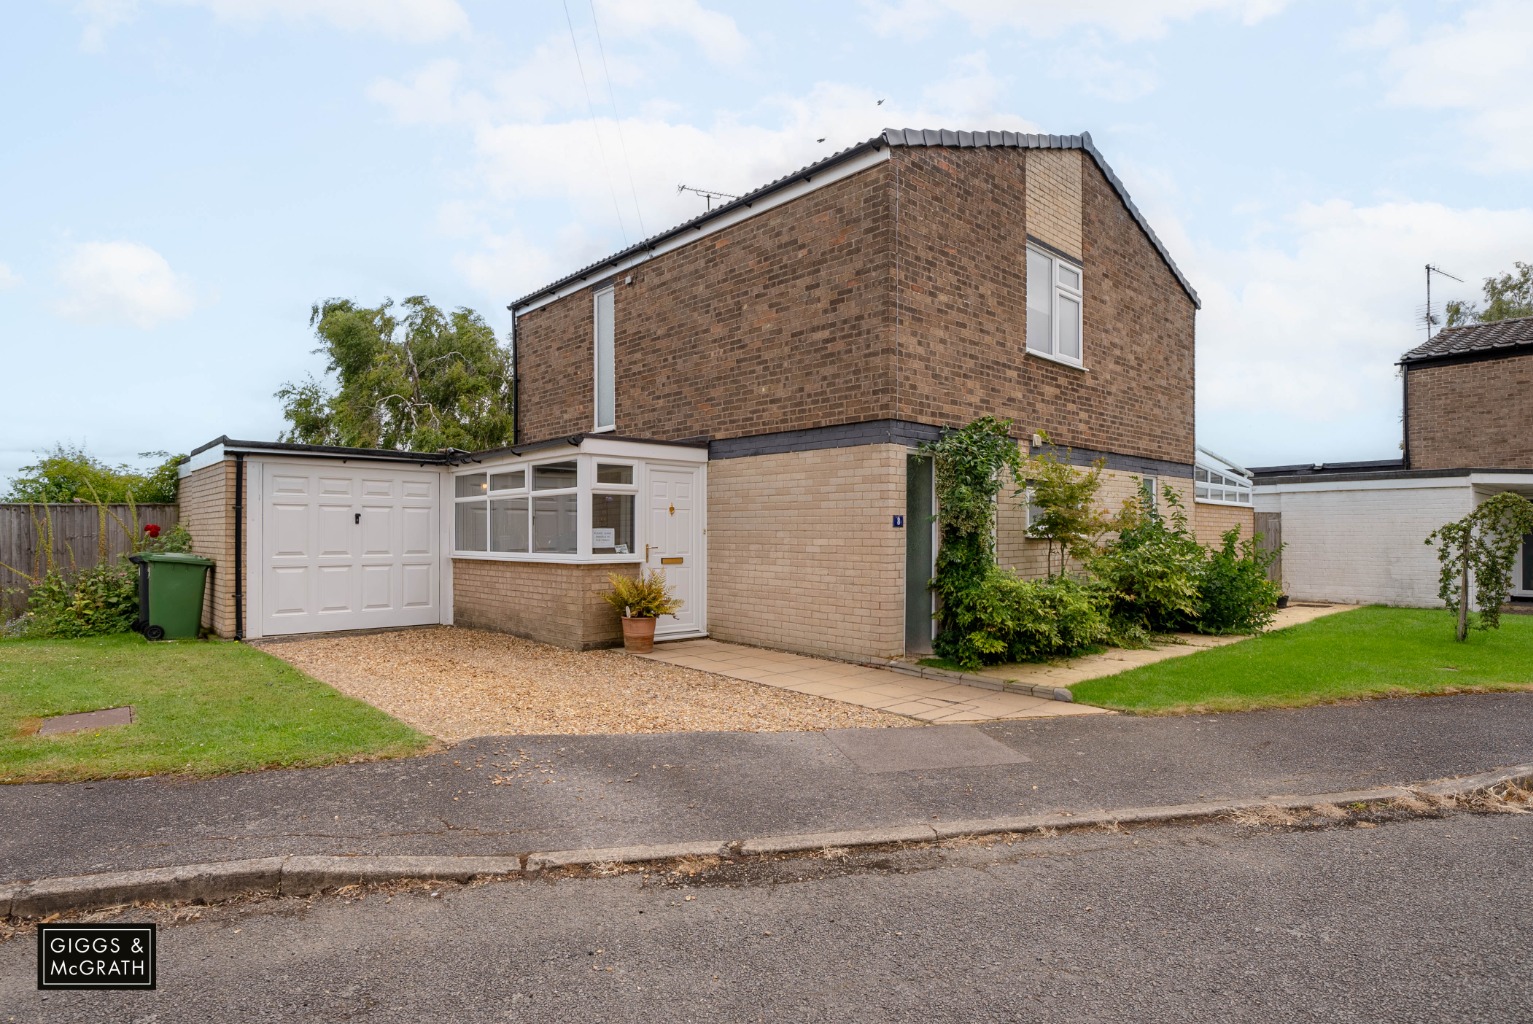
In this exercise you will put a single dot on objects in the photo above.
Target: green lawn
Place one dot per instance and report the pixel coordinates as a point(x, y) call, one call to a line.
point(201, 708)
point(1370, 652)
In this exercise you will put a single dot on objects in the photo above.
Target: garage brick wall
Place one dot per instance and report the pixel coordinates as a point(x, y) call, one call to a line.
point(1213, 521)
point(550, 602)
point(803, 554)
point(1472, 415)
point(206, 500)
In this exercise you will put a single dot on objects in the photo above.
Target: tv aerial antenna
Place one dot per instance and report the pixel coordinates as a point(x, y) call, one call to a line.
point(1428, 320)
point(708, 194)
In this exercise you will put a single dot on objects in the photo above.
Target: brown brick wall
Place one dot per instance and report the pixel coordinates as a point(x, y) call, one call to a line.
point(206, 498)
point(1211, 522)
point(802, 553)
point(792, 320)
point(777, 323)
point(1471, 415)
point(963, 309)
point(553, 603)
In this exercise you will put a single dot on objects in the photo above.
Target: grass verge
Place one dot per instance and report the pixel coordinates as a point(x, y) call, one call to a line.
point(1370, 652)
point(201, 708)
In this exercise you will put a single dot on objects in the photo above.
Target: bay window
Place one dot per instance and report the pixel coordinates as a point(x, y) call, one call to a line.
point(539, 508)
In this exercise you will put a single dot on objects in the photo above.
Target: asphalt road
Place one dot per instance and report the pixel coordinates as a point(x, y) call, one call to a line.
point(1422, 920)
point(533, 793)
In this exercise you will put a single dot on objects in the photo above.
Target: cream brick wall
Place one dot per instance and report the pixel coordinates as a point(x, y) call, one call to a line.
point(1211, 522)
point(802, 553)
point(1362, 545)
point(1054, 198)
point(1027, 557)
point(206, 500)
point(551, 602)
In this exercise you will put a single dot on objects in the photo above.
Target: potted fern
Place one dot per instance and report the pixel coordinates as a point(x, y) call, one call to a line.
point(640, 601)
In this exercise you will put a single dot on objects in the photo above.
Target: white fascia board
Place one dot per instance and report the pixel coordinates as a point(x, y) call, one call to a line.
point(203, 459)
point(1503, 480)
point(613, 448)
point(1404, 484)
point(829, 176)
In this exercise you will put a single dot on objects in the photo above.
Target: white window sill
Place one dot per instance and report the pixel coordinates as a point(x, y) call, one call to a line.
point(604, 430)
point(1061, 360)
point(520, 556)
point(1217, 501)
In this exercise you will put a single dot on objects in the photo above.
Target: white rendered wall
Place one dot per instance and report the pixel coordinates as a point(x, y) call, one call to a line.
point(1363, 543)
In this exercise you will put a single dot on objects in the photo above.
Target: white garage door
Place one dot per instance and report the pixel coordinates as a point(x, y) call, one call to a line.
point(348, 548)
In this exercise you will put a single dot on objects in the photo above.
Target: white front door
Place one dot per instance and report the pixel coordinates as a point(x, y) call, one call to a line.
point(675, 545)
point(346, 547)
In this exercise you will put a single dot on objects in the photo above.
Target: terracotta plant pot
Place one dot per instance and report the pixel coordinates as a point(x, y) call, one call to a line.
point(638, 634)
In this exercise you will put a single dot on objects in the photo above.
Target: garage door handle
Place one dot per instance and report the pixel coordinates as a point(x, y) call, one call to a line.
point(357, 518)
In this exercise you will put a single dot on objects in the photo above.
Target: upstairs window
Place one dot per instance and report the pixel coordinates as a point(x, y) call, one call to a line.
point(1054, 302)
point(606, 390)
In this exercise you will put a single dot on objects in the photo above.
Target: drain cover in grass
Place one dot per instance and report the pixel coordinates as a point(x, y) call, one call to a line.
point(86, 720)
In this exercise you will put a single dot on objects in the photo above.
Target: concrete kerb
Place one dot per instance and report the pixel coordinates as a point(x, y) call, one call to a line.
point(306, 875)
point(969, 679)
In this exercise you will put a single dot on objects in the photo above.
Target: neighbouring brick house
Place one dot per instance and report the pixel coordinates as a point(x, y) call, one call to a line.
point(739, 400)
point(1354, 531)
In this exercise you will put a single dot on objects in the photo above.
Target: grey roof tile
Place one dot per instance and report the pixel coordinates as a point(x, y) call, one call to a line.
point(1511, 337)
point(889, 137)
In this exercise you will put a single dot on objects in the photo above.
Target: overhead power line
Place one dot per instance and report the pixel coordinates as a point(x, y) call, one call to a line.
point(601, 151)
point(617, 119)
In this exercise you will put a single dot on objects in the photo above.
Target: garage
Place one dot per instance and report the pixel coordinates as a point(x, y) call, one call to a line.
point(344, 547)
point(311, 539)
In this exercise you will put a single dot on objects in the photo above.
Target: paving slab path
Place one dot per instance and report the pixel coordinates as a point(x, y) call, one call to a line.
point(503, 795)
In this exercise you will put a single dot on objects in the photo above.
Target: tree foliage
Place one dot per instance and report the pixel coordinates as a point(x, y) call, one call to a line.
point(67, 473)
point(1506, 297)
point(1067, 516)
point(1483, 545)
point(412, 378)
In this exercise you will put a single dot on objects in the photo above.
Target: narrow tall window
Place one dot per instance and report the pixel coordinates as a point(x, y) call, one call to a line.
point(606, 391)
point(1054, 292)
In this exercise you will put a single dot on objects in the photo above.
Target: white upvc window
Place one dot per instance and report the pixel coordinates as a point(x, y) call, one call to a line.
point(604, 360)
point(1220, 488)
point(1055, 298)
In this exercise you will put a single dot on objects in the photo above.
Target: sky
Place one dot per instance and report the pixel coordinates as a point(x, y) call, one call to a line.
point(182, 180)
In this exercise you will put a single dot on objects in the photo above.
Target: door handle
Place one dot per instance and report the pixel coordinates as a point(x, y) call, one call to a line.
point(356, 518)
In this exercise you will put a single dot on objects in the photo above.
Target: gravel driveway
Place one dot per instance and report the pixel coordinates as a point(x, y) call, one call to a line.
point(456, 683)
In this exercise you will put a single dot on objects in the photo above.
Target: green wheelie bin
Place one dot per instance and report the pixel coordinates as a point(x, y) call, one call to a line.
point(170, 589)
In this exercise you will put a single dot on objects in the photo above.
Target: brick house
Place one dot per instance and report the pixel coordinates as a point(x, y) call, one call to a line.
point(738, 401)
point(1354, 531)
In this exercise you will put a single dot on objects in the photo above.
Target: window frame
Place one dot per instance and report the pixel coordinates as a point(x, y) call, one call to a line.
point(597, 426)
point(1204, 487)
point(1058, 289)
point(585, 488)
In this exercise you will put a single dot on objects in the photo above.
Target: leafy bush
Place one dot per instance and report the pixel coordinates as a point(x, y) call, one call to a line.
point(1152, 569)
point(1234, 593)
point(178, 539)
point(645, 597)
point(93, 602)
point(1007, 618)
point(67, 473)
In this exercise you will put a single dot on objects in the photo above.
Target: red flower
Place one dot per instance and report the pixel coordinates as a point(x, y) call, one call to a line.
point(152, 529)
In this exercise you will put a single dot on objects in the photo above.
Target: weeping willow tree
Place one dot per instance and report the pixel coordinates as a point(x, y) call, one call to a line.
point(1483, 545)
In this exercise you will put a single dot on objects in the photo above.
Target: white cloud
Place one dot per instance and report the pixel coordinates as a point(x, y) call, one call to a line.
point(715, 34)
point(407, 20)
point(1478, 65)
point(8, 277)
point(1309, 328)
point(1126, 19)
point(1101, 76)
point(116, 282)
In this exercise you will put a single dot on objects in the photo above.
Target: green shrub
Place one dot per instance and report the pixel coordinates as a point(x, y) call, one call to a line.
point(93, 602)
point(1006, 618)
point(1151, 570)
point(177, 539)
point(1234, 593)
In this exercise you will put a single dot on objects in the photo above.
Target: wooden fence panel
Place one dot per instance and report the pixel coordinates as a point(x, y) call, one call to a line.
point(81, 535)
point(1269, 526)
